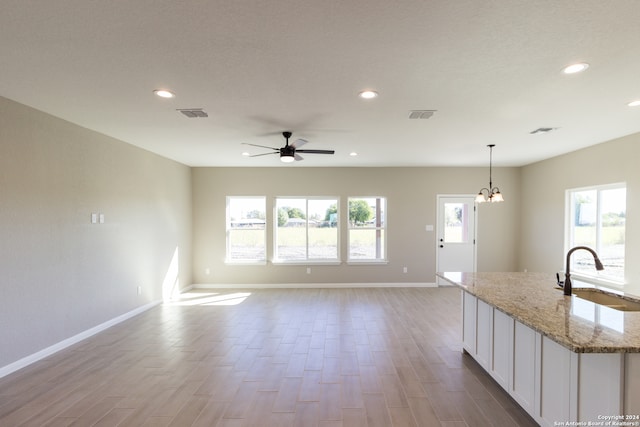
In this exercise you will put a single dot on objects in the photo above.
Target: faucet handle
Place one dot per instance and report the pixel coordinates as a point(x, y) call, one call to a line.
point(558, 281)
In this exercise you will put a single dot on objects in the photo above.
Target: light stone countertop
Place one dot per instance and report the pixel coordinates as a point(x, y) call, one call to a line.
point(534, 300)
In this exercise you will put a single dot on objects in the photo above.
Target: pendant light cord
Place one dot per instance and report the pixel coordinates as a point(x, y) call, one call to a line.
point(490, 165)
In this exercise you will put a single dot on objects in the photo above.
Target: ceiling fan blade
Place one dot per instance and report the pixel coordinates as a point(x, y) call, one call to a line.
point(298, 157)
point(317, 151)
point(263, 154)
point(261, 146)
point(299, 143)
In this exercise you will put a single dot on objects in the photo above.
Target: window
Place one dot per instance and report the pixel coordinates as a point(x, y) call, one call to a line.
point(596, 218)
point(306, 229)
point(246, 231)
point(367, 229)
point(456, 222)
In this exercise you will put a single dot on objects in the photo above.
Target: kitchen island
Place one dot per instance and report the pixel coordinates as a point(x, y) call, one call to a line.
point(562, 358)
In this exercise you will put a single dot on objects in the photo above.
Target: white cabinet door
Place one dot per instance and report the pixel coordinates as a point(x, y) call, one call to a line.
point(484, 334)
point(502, 350)
point(632, 383)
point(469, 323)
point(523, 382)
point(601, 385)
point(556, 400)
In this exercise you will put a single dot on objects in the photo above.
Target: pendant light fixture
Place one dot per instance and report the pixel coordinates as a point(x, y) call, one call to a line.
point(491, 194)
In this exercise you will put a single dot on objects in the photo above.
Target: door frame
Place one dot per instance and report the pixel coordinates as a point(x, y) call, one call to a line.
point(439, 219)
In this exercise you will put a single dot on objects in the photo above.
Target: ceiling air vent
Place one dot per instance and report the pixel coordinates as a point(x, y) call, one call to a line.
point(193, 113)
point(421, 114)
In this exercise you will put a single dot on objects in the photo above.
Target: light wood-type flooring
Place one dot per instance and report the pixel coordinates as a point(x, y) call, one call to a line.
point(269, 357)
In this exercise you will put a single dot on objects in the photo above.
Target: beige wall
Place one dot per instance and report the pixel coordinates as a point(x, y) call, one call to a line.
point(543, 202)
point(59, 274)
point(411, 204)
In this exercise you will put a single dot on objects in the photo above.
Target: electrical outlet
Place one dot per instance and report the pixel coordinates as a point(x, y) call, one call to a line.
point(404, 269)
point(207, 271)
point(308, 270)
point(139, 290)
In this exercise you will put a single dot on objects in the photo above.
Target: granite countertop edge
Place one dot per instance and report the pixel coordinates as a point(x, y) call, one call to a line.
point(550, 311)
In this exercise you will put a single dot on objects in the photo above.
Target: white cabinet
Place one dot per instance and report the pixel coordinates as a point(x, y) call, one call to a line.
point(632, 383)
point(469, 323)
point(501, 348)
point(484, 332)
point(487, 336)
point(600, 383)
point(523, 384)
point(548, 380)
point(555, 393)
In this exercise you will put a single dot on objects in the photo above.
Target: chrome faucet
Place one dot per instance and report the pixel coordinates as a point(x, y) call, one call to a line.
point(567, 273)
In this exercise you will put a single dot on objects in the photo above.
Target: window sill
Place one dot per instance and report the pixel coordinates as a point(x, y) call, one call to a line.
point(596, 281)
point(368, 262)
point(304, 262)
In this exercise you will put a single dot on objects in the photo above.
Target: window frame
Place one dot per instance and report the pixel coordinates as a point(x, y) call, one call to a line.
point(595, 276)
point(306, 261)
point(228, 229)
point(383, 228)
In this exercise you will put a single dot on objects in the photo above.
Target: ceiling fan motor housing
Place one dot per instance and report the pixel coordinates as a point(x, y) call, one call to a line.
point(287, 150)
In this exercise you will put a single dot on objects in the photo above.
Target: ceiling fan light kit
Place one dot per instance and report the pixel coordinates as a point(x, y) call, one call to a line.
point(287, 157)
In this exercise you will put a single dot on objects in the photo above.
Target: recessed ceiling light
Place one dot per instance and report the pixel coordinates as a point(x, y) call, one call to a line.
point(368, 94)
point(353, 154)
point(163, 93)
point(635, 103)
point(244, 153)
point(575, 68)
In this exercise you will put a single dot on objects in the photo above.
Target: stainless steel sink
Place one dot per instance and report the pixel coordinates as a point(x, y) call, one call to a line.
point(609, 300)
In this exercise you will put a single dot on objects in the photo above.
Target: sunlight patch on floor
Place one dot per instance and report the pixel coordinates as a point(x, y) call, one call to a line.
point(210, 298)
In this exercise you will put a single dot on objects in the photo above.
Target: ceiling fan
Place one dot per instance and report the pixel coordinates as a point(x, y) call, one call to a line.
point(289, 152)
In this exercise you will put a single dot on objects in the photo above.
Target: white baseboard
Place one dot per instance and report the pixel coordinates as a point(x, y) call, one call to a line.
point(32, 358)
point(311, 285)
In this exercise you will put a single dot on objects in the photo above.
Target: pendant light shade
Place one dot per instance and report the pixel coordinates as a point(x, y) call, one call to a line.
point(490, 194)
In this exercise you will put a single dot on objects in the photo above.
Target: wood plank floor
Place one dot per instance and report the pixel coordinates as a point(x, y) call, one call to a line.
point(273, 357)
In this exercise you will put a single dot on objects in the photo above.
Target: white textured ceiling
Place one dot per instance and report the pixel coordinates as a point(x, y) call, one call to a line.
point(491, 69)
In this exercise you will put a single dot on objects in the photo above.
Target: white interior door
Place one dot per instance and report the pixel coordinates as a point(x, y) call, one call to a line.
point(456, 234)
